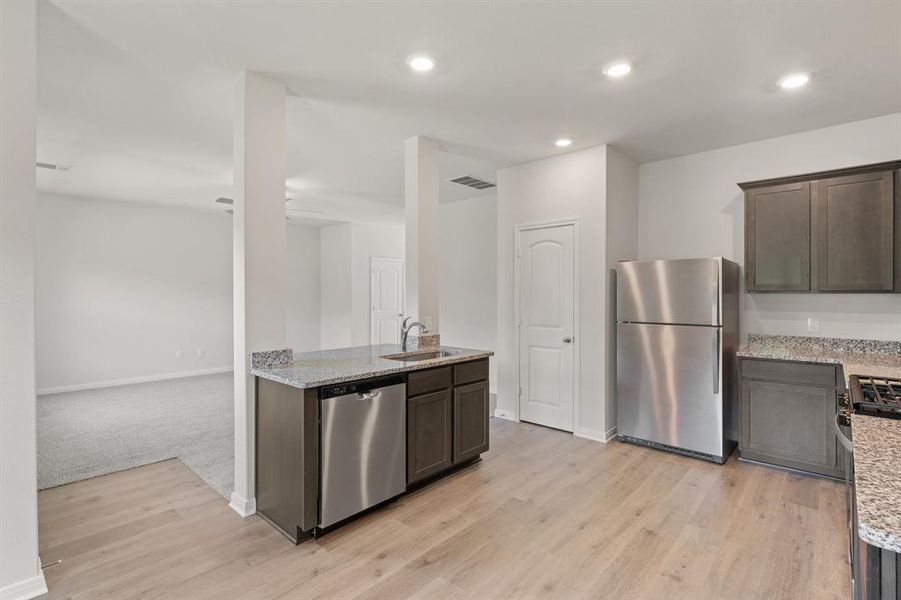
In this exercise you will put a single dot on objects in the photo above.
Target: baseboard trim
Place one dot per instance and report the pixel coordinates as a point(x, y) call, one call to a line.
point(590, 434)
point(611, 434)
point(242, 506)
point(25, 589)
point(78, 387)
point(504, 414)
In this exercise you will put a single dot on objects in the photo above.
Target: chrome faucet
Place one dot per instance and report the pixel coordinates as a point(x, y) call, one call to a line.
point(405, 331)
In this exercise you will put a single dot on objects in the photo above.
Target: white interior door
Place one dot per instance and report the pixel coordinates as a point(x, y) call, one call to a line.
point(546, 326)
point(387, 299)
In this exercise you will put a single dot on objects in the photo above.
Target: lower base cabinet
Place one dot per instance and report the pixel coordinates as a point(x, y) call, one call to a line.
point(470, 421)
point(787, 414)
point(429, 435)
point(447, 418)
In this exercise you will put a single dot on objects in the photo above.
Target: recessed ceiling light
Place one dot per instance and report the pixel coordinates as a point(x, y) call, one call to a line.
point(421, 63)
point(794, 80)
point(564, 142)
point(617, 69)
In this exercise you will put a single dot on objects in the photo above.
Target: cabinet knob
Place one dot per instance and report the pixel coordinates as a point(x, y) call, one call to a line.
point(567, 340)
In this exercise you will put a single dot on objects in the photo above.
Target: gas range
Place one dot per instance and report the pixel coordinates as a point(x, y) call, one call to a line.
point(875, 396)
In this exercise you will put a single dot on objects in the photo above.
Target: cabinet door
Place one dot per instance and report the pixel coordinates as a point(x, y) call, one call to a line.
point(470, 421)
point(777, 238)
point(855, 232)
point(790, 425)
point(429, 431)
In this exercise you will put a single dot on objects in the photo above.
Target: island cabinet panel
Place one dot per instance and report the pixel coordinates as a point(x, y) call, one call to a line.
point(287, 457)
point(787, 423)
point(470, 421)
point(429, 435)
point(777, 238)
point(855, 232)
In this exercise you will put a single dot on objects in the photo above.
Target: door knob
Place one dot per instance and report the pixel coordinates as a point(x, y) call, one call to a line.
point(567, 340)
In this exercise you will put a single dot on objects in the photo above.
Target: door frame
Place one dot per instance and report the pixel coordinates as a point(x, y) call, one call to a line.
point(403, 297)
point(575, 223)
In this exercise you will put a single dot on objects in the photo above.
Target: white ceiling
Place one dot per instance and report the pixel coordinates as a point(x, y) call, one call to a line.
point(136, 96)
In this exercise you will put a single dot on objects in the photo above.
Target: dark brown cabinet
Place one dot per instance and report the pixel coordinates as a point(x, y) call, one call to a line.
point(834, 231)
point(787, 414)
point(777, 238)
point(447, 418)
point(470, 421)
point(855, 232)
point(429, 435)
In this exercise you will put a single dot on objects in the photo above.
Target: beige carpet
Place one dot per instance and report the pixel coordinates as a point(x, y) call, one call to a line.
point(95, 432)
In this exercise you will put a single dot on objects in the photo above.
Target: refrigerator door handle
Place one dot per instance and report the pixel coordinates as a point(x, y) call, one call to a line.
point(716, 362)
point(715, 307)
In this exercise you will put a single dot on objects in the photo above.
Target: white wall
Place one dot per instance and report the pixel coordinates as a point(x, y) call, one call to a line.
point(304, 297)
point(691, 206)
point(20, 567)
point(336, 286)
point(467, 242)
point(564, 186)
point(346, 283)
point(622, 244)
point(369, 240)
point(122, 286)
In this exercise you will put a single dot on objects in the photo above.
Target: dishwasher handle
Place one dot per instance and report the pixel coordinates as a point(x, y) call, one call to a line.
point(371, 395)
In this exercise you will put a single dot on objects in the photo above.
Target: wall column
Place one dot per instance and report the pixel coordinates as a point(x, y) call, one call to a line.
point(20, 567)
point(421, 188)
point(260, 286)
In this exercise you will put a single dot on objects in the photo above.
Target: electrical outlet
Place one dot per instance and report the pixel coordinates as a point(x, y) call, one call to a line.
point(179, 354)
point(813, 324)
point(200, 352)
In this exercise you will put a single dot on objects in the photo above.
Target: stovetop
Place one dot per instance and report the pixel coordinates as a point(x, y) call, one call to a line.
point(876, 396)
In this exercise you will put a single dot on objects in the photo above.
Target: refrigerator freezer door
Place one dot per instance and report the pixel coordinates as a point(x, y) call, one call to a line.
point(669, 386)
point(684, 291)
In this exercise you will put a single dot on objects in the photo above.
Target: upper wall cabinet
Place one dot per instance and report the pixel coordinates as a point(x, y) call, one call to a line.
point(854, 232)
point(835, 231)
point(777, 237)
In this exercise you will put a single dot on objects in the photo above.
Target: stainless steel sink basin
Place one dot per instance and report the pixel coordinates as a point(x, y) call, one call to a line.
point(417, 356)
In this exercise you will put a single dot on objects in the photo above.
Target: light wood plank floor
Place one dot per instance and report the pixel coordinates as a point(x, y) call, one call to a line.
point(543, 515)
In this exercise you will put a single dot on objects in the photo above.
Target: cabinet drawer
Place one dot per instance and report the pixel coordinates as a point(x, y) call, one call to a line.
point(430, 380)
point(789, 372)
point(469, 372)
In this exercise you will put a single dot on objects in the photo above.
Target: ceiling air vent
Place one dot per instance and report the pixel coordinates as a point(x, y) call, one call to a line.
point(473, 182)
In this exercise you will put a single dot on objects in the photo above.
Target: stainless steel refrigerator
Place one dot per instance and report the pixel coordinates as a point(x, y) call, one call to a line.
point(676, 336)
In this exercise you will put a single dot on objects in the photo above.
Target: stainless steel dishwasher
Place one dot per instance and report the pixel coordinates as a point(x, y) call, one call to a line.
point(363, 431)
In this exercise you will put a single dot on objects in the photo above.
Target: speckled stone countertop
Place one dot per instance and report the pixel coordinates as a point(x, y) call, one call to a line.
point(877, 440)
point(857, 357)
point(877, 480)
point(324, 367)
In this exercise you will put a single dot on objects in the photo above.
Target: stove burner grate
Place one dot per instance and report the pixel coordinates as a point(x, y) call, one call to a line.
point(879, 396)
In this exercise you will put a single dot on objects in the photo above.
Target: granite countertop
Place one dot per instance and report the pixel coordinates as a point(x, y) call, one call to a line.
point(877, 480)
point(877, 440)
point(324, 367)
point(857, 357)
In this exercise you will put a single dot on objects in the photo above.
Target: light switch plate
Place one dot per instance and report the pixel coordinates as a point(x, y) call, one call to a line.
point(813, 324)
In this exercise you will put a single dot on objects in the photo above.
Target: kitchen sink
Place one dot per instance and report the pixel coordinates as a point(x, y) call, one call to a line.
point(417, 356)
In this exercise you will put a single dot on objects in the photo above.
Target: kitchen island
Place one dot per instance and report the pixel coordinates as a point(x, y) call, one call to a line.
point(340, 432)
